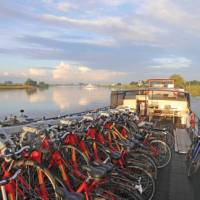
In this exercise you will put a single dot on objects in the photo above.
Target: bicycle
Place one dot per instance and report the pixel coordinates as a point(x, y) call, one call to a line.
point(193, 157)
point(97, 177)
point(33, 182)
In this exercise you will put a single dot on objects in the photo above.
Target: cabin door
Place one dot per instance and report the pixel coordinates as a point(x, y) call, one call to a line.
point(142, 107)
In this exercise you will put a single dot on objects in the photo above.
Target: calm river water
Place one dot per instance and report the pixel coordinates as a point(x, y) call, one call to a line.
point(53, 101)
point(58, 101)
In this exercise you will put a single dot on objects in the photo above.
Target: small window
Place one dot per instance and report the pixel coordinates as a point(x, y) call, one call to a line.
point(130, 95)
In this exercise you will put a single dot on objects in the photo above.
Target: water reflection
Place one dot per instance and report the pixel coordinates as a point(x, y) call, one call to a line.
point(53, 101)
point(69, 97)
point(83, 102)
point(37, 98)
point(60, 98)
point(31, 91)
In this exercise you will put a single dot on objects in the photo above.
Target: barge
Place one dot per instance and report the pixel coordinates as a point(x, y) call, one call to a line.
point(160, 101)
point(166, 105)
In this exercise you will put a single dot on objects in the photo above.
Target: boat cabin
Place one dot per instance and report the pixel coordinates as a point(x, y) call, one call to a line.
point(159, 99)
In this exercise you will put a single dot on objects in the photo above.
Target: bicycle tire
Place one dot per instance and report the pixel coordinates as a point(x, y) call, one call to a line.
point(29, 174)
point(81, 159)
point(144, 161)
point(147, 181)
point(164, 151)
point(121, 192)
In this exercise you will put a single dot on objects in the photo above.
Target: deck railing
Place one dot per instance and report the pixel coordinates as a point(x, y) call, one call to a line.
point(195, 131)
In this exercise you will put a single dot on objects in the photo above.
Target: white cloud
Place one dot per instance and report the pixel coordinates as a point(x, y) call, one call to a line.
point(5, 74)
point(48, 1)
point(114, 27)
point(173, 12)
point(37, 72)
point(65, 6)
point(84, 69)
point(171, 63)
point(64, 73)
point(68, 73)
point(115, 2)
point(13, 74)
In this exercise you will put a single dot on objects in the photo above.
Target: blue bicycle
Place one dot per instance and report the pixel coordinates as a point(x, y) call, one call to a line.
point(193, 157)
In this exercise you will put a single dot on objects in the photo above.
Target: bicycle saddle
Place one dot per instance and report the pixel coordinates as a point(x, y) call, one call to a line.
point(138, 136)
point(105, 166)
point(73, 196)
point(66, 195)
point(127, 144)
point(159, 129)
point(96, 172)
point(113, 154)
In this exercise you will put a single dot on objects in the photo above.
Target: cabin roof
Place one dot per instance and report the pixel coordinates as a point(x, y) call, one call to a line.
point(152, 89)
point(160, 79)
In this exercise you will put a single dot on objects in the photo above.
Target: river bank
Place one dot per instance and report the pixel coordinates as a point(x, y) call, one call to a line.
point(194, 90)
point(15, 86)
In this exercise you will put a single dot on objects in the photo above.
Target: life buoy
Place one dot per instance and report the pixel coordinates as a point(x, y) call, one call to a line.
point(192, 120)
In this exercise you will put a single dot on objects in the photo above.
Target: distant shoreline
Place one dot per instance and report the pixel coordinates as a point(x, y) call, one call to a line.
point(12, 87)
point(194, 90)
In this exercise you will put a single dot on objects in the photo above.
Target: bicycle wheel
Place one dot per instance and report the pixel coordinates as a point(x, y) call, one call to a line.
point(75, 159)
point(114, 190)
point(143, 161)
point(143, 177)
point(166, 137)
point(170, 139)
point(34, 182)
point(163, 155)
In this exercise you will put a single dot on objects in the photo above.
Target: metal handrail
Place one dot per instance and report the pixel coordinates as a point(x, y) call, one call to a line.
point(63, 116)
point(197, 125)
point(196, 131)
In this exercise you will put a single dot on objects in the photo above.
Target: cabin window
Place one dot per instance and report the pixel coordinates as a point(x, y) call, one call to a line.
point(130, 95)
point(167, 95)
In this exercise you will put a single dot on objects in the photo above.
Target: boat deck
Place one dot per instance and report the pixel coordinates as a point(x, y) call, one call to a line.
point(173, 183)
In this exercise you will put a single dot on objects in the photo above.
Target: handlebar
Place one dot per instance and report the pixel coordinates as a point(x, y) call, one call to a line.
point(13, 177)
point(15, 153)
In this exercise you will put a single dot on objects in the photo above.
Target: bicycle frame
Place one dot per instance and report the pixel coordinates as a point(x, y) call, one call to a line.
point(57, 160)
point(3, 192)
point(9, 190)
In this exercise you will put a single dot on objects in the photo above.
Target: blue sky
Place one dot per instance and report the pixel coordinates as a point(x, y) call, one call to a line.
point(99, 40)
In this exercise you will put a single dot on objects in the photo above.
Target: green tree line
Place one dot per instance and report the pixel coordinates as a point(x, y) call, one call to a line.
point(34, 83)
point(29, 83)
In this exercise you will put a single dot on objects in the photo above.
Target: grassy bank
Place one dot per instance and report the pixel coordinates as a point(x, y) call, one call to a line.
point(28, 84)
point(15, 86)
point(194, 90)
point(21, 86)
